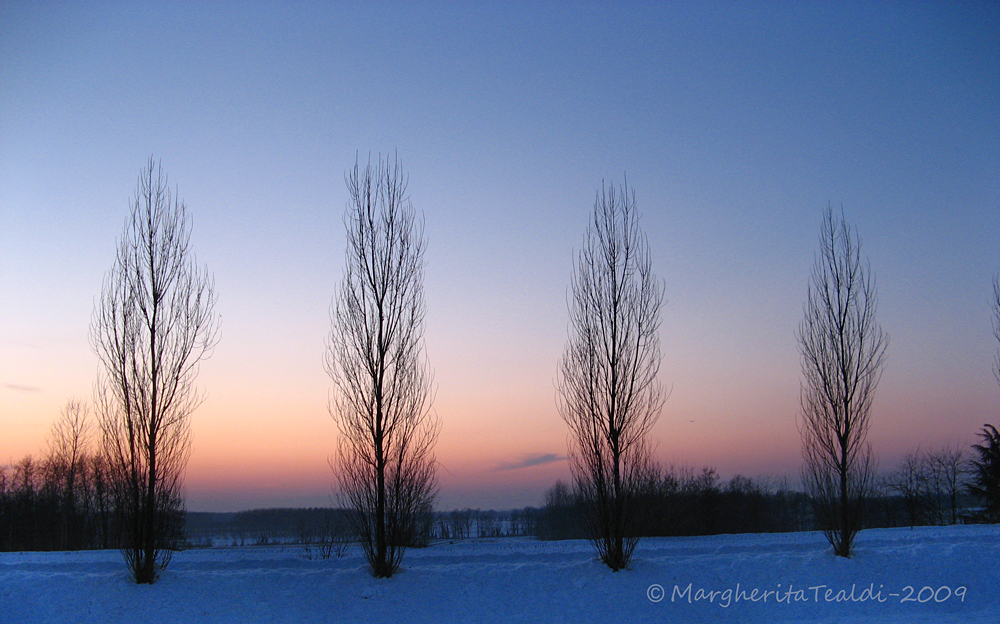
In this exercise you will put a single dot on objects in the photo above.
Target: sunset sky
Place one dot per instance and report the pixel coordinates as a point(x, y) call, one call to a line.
point(736, 124)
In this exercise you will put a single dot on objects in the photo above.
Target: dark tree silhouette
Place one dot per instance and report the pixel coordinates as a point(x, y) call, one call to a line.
point(68, 456)
point(58, 502)
point(843, 353)
point(910, 481)
point(995, 304)
point(985, 483)
point(946, 472)
point(152, 327)
point(381, 404)
point(986, 467)
point(608, 392)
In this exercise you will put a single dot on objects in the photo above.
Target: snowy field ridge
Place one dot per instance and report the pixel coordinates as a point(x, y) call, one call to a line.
point(927, 574)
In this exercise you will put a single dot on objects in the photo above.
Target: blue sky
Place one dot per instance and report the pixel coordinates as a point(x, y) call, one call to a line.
point(736, 123)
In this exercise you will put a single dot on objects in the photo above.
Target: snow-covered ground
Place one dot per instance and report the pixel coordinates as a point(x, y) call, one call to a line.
point(948, 574)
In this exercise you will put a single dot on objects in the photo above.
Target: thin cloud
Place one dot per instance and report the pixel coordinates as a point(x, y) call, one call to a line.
point(20, 388)
point(532, 459)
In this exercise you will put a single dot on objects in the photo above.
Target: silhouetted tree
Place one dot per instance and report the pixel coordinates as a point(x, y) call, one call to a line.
point(995, 304)
point(152, 327)
point(563, 516)
point(25, 499)
point(68, 455)
point(986, 474)
point(101, 494)
point(843, 353)
point(381, 404)
point(986, 467)
point(461, 522)
point(334, 535)
point(910, 482)
point(946, 472)
point(608, 392)
point(38, 511)
point(926, 486)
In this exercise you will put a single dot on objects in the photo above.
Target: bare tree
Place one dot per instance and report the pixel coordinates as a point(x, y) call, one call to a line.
point(911, 482)
point(843, 354)
point(608, 392)
point(154, 324)
point(984, 467)
point(995, 305)
point(382, 386)
point(946, 467)
point(101, 499)
point(929, 484)
point(68, 451)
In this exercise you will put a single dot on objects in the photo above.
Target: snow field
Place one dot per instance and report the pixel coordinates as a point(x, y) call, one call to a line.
point(789, 577)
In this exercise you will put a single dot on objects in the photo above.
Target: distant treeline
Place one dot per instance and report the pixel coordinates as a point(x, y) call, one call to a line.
point(48, 504)
point(464, 523)
point(686, 502)
point(260, 527)
point(924, 490)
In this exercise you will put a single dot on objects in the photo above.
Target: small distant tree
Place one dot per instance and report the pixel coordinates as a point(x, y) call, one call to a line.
point(608, 392)
point(334, 535)
point(562, 516)
point(382, 385)
point(153, 325)
point(910, 482)
point(6, 510)
point(985, 484)
point(843, 354)
point(68, 448)
point(461, 521)
point(946, 468)
point(101, 500)
point(25, 500)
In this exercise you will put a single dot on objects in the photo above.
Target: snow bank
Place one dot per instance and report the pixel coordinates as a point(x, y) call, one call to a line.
point(946, 574)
